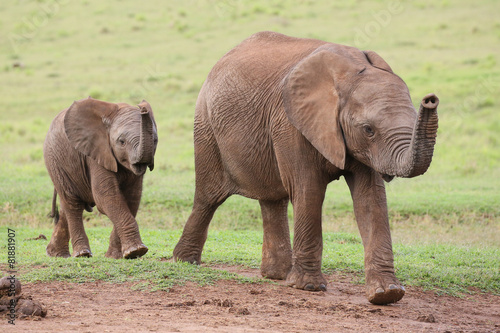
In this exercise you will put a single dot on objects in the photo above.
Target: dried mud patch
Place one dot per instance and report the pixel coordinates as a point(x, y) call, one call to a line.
point(229, 306)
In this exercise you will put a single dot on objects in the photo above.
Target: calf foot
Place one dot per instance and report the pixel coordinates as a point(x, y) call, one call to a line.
point(187, 253)
point(135, 251)
point(114, 253)
point(298, 278)
point(54, 251)
point(382, 290)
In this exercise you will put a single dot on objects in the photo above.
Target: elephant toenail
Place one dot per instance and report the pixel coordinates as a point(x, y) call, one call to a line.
point(83, 254)
point(309, 287)
point(379, 291)
point(403, 288)
point(392, 287)
point(322, 287)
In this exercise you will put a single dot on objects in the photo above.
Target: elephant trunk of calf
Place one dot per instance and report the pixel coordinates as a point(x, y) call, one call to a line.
point(146, 142)
point(418, 157)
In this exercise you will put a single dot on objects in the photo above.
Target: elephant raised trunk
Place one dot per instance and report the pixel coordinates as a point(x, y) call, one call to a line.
point(146, 147)
point(417, 158)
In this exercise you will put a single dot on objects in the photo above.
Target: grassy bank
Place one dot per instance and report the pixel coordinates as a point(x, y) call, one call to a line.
point(444, 268)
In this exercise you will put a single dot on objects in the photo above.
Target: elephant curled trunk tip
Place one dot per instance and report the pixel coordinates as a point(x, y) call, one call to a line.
point(419, 154)
point(430, 103)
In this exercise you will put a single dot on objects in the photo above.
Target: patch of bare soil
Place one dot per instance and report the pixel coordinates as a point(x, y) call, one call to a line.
point(230, 306)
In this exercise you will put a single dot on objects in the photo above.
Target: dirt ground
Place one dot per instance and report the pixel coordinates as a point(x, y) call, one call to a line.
point(230, 306)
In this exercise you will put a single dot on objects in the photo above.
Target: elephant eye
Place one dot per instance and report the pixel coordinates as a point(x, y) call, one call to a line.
point(368, 130)
point(121, 141)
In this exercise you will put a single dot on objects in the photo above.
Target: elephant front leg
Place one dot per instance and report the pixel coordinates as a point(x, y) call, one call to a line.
point(133, 199)
point(125, 237)
point(125, 240)
point(276, 248)
point(307, 243)
point(77, 234)
point(370, 208)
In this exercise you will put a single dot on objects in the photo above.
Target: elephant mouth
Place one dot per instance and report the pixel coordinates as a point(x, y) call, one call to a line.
point(387, 177)
point(139, 168)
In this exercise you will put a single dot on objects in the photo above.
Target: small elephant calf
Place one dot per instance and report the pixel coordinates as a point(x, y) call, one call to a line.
point(96, 154)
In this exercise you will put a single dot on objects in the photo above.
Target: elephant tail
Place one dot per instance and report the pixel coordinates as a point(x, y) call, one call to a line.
point(54, 213)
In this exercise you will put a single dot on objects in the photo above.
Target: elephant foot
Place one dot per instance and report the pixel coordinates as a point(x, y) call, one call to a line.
point(135, 251)
point(114, 254)
point(382, 291)
point(276, 268)
point(85, 253)
point(53, 251)
point(299, 279)
point(186, 253)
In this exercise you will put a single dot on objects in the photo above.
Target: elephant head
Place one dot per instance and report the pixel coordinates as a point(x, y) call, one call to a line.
point(113, 133)
point(353, 100)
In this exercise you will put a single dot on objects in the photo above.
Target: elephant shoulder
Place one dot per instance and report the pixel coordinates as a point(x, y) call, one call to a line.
point(59, 118)
point(274, 39)
point(268, 36)
point(56, 128)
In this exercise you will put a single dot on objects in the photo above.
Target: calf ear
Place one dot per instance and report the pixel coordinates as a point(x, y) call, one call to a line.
point(376, 61)
point(86, 124)
point(311, 101)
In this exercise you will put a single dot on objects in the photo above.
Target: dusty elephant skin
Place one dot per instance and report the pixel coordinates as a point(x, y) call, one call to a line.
point(279, 118)
point(96, 154)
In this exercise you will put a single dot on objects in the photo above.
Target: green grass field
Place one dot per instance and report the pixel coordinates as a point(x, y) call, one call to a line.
point(446, 223)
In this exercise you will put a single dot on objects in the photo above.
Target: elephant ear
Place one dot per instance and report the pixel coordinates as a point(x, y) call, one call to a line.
point(311, 101)
point(376, 61)
point(86, 124)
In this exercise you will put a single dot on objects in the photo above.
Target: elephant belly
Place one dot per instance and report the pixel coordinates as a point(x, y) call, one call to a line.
point(239, 122)
point(67, 170)
point(250, 166)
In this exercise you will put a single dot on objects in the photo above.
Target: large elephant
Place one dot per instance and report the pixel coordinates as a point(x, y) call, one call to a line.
point(96, 154)
point(279, 118)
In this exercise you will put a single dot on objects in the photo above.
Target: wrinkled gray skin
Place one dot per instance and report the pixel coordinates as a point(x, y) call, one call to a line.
point(279, 118)
point(96, 154)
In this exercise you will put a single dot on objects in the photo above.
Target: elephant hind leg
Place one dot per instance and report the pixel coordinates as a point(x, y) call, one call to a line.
point(59, 242)
point(276, 248)
point(79, 240)
point(115, 246)
point(212, 189)
point(194, 235)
